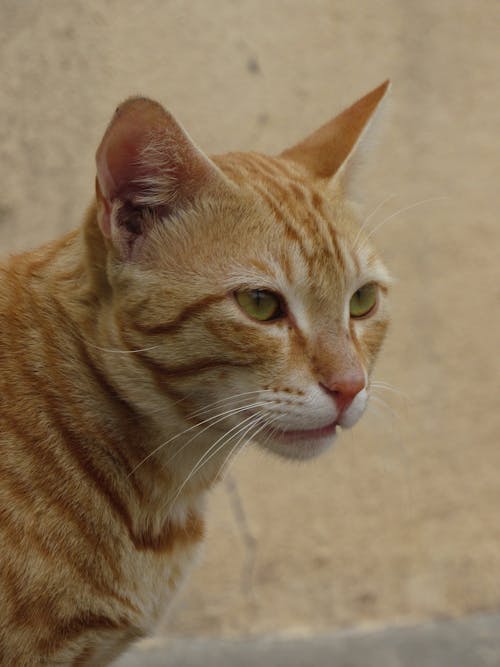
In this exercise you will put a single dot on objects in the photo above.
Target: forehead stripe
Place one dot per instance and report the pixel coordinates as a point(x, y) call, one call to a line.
point(280, 187)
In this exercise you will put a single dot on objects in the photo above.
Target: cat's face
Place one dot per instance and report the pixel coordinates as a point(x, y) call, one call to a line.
point(258, 308)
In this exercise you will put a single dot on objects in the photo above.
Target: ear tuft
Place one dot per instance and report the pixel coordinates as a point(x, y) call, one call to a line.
point(328, 151)
point(147, 168)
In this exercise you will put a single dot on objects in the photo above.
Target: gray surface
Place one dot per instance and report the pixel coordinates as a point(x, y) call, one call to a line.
point(468, 642)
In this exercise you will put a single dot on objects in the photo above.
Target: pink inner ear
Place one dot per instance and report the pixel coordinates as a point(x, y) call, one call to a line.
point(146, 161)
point(120, 163)
point(145, 151)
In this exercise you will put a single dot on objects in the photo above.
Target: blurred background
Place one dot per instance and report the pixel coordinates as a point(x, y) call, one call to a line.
point(400, 522)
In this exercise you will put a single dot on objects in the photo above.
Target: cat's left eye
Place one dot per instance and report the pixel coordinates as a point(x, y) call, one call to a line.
point(363, 301)
point(260, 304)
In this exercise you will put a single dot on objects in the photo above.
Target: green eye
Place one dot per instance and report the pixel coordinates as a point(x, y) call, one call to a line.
point(363, 301)
point(260, 304)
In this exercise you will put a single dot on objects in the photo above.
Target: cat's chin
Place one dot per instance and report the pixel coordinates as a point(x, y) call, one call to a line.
point(301, 445)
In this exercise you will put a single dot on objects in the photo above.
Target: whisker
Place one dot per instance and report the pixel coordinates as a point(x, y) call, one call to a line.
point(232, 412)
point(228, 399)
point(401, 210)
point(244, 437)
point(400, 397)
point(207, 407)
point(389, 409)
point(370, 408)
point(215, 419)
point(238, 428)
point(206, 456)
point(370, 216)
point(266, 423)
point(116, 350)
point(385, 386)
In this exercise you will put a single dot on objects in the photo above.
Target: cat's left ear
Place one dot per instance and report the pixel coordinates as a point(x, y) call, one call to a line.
point(332, 152)
point(147, 170)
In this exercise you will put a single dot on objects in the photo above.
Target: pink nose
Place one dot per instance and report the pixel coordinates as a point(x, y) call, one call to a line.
point(344, 390)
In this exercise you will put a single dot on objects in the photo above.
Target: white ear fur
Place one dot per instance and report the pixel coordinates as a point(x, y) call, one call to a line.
point(350, 173)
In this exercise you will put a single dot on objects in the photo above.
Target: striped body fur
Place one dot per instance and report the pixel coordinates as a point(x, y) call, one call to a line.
point(130, 373)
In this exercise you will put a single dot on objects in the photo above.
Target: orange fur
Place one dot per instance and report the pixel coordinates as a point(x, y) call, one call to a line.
point(129, 374)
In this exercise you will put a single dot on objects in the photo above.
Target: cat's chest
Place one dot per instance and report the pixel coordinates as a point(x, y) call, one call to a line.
point(158, 578)
point(154, 569)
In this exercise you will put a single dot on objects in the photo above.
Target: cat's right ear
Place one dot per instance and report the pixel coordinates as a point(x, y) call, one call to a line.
point(332, 153)
point(147, 169)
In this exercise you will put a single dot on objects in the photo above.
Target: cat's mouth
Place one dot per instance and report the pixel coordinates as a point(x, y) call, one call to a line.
point(304, 434)
point(299, 444)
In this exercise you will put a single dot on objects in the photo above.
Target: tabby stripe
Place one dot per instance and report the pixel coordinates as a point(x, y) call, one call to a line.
point(271, 179)
point(26, 499)
point(50, 400)
point(336, 248)
point(284, 196)
point(24, 492)
point(174, 535)
point(323, 235)
point(59, 379)
point(159, 380)
point(283, 167)
point(183, 370)
point(317, 203)
point(193, 310)
point(17, 594)
point(101, 482)
point(299, 188)
point(230, 168)
point(100, 378)
point(71, 439)
point(242, 337)
point(127, 408)
point(49, 486)
point(100, 435)
point(290, 232)
point(314, 217)
point(77, 447)
point(104, 382)
point(275, 168)
point(322, 253)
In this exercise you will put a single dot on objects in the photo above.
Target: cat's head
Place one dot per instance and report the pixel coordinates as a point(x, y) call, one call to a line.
point(253, 301)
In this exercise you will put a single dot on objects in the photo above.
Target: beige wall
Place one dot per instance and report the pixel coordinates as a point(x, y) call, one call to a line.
point(400, 521)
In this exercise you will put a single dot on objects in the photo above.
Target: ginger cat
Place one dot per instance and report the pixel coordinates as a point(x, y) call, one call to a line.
point(204, 303)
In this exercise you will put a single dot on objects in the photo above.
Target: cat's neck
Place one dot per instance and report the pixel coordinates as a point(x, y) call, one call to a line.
point(65, 281)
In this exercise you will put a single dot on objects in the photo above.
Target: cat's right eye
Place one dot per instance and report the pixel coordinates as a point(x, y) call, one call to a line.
point(363, 301)
point(260, 304)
